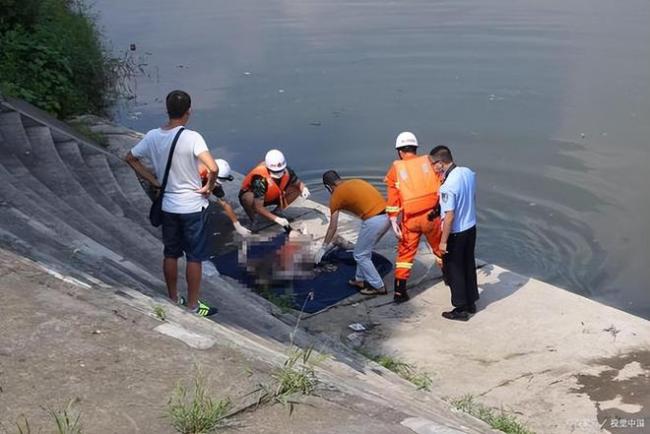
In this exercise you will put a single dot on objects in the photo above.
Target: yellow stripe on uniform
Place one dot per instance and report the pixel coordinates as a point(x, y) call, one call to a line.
point(407, 265)
point(392, 209)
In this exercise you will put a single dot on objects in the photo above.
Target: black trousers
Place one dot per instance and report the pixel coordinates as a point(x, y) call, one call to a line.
point(459, 267)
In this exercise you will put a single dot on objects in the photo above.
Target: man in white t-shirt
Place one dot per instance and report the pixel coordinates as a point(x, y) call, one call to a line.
point(184, 199)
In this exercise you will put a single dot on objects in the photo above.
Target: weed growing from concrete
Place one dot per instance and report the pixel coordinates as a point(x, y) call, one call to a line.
point(409, 372)
point(499, 420)
point(67, 420)
point(160, 312)
point(23, 426)
point(296, 376)
point(193, 411)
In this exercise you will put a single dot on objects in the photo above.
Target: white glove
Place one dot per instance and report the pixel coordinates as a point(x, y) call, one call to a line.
point(305, 192)
point(318, 257)
point(396, 229)
point(281, 221)
point(241, 230)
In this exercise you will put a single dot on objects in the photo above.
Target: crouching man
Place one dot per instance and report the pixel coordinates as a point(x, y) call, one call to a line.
point(271, 182)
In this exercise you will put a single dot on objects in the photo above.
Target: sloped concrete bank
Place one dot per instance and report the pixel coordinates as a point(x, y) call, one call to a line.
point(75, 210)
point(561, 362)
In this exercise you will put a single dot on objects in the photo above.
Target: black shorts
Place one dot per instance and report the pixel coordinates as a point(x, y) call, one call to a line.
point(185, 234)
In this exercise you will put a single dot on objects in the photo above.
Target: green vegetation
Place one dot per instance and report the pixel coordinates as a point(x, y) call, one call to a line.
point(160, 312)
point(496, 419)
point(296, 376)
point(23, 426)
point(52, 56)
point(67, 419)
point(407, 371)
point(283, 301)
point(192, 411)
point(87, 132)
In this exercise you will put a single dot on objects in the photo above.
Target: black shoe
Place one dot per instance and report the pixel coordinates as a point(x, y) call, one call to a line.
point(399, 289)
point(471, 308)
point(457, 314)
point(401, 297)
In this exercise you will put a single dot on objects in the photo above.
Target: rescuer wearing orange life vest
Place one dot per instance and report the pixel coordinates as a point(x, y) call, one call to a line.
point(271, 182)
point(412, 187)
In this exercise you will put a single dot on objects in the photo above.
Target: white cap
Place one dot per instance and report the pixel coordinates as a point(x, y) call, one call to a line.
point(224, 170)
point(406, 138)
point(275, 161)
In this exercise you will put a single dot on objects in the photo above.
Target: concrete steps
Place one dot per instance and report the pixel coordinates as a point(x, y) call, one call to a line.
point(86, 176)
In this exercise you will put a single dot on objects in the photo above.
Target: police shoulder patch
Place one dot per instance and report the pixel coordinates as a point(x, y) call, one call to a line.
point(443, 197)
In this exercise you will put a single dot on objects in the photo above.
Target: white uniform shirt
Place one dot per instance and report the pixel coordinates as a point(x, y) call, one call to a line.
point(180, 194)
point(458, 194)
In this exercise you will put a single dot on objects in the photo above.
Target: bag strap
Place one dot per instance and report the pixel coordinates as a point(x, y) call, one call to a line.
point(169, 161)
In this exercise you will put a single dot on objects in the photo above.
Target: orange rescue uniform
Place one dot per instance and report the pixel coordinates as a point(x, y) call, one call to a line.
point(275, 191)
point(412, 187)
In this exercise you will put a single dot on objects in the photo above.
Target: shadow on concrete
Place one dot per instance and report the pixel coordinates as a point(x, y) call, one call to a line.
point(506, 284)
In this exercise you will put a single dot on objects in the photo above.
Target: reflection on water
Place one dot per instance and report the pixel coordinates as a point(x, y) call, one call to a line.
point(547, 101)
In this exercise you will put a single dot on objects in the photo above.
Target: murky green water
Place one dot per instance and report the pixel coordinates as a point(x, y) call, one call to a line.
point(549, 101)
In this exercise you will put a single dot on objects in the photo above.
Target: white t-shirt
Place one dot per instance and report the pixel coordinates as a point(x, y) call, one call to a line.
point(180, 194)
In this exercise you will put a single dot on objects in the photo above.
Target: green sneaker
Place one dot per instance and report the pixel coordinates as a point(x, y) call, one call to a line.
point(201, 310)
point(205, 310)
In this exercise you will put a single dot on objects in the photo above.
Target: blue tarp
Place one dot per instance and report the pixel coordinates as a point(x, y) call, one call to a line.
point(328, 283)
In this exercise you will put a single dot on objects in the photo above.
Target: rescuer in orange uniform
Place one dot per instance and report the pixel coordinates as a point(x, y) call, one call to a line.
point(412, 187)
point(271, 182)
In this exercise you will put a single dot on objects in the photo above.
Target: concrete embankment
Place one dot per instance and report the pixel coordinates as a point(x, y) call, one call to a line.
point(81, 258)
point(561, 362)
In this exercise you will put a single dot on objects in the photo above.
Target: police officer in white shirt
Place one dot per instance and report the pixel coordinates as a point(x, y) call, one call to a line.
point(458, 210)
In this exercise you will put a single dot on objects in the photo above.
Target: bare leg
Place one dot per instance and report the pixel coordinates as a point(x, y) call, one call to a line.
point(170, 270)
point(247, 201)
point(193, 272)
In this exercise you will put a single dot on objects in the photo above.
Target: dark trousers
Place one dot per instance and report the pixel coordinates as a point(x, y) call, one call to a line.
point(459, 267)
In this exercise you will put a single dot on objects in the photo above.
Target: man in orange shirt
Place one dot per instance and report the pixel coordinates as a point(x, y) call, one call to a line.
point(412, 187)
point(361, 199)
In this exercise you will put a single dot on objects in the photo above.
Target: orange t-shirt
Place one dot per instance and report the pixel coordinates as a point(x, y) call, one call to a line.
point(357, 197)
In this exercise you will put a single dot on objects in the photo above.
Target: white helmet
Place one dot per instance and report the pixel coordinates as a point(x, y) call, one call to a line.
point(275, 161)
point(406, 138)
point(224, 170)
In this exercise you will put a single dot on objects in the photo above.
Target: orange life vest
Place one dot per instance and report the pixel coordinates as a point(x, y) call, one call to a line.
point(418, 184)
point(275, 187)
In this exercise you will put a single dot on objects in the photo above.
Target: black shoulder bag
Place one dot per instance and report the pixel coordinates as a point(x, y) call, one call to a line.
point(156, 212)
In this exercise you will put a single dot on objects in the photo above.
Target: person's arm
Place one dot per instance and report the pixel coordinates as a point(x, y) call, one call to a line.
point(258, 203)
point(230, 213)
point(329, 236)
point(447, 223)
point(207, 161)
point(393, 201)
point(227, 209)
point(294, 180)
point(331, 229)
point(141, 170)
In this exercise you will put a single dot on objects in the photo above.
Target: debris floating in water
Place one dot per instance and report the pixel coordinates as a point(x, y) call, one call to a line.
point(280, 90)
point(583, 135)
point(315, 123)
point(247, 73)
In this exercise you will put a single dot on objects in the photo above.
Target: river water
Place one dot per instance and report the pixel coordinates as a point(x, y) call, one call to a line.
point(548, 101)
